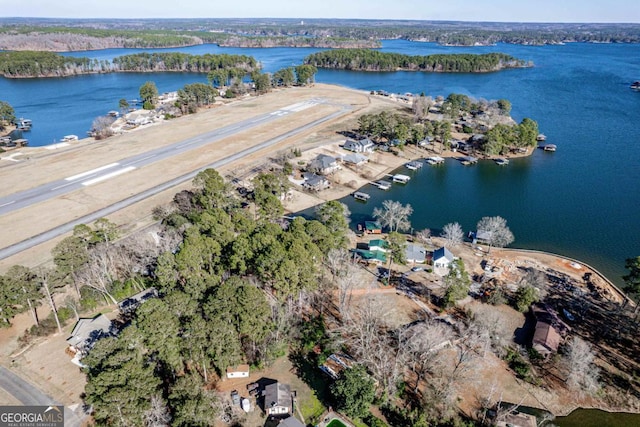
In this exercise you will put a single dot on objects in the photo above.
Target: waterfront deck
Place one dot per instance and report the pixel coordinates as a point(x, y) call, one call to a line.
point(383, 185)
point(435, 160)
point(402, 179)
point(414, 165)
point(468, 160)
point(359, 195)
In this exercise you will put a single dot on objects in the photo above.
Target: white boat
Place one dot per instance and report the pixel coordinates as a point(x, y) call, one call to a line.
point(402, 179)
point(68, 138)
point(25, 122)
point(502, 162)
point(541, 137)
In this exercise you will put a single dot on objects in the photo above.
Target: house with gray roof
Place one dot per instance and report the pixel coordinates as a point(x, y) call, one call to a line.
point(355, 159)
point(277, 399)
point(323, 165)
point(313, 182)
point(86, 332)
point(415, 253)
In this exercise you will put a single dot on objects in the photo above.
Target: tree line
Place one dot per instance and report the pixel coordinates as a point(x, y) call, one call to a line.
point(375, 60)
point(48, 64)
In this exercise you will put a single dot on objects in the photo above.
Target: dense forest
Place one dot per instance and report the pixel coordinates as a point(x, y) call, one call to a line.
point(48, 64)
point(176, 61)
point(72, 35)
point(373, 60)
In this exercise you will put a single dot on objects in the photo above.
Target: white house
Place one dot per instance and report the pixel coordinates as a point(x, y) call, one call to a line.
point(240, 371)
point(442, 258)
point(362, 146)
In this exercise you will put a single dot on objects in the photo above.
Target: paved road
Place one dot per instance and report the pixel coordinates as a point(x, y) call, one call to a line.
point(65, 228)
point(57, 188)
point(27, 394)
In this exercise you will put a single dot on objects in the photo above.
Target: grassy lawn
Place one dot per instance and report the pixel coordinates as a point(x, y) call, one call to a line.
point(335, 423)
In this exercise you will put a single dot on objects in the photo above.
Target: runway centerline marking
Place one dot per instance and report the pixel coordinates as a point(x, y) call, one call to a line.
point(108, 176)
point(83, 174)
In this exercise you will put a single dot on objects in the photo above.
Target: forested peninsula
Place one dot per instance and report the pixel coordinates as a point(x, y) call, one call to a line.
point(373, 60)
point(48, 64)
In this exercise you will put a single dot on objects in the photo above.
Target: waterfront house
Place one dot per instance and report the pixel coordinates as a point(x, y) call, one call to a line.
point(426, 142)
point(240, 371)
point(442, 258)
point(361, 146)
point(277, 399)
point(313, 182)
point(324, 165)
point(371, 257)
point(378, 245)
point(415, 253)
point(355, 159)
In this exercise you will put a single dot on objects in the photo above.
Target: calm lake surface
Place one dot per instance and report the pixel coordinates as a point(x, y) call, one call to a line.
point(582, 201)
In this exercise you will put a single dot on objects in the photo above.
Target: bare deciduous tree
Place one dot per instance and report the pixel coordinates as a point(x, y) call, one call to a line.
point(536, 279)
point(423, 342)
point(158, 415)
point(491, 329)
point(394, 215)
point(370, 341)
point(497, 232)
point(583, 374)
point(452, 233)
point(424, 236)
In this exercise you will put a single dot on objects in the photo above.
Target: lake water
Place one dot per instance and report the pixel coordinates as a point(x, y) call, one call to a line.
point(582, 201)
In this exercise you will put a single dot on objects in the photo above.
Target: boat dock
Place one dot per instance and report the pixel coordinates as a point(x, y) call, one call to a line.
point(414, 165)
point(549, 147)
point(541, 137)
point(468, 160)
point(502, 162)
point(435, 160)
point(359, 195)
point(402, 179)
point(383, 185)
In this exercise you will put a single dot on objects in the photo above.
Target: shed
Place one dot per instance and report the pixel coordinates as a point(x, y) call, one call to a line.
point(277, 399)
point(240, 371)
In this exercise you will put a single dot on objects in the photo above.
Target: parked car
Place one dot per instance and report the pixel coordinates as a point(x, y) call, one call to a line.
point(417, 268)
point(235, 397)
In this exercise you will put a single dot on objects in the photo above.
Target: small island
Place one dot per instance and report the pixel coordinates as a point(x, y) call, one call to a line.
point(373, 60)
